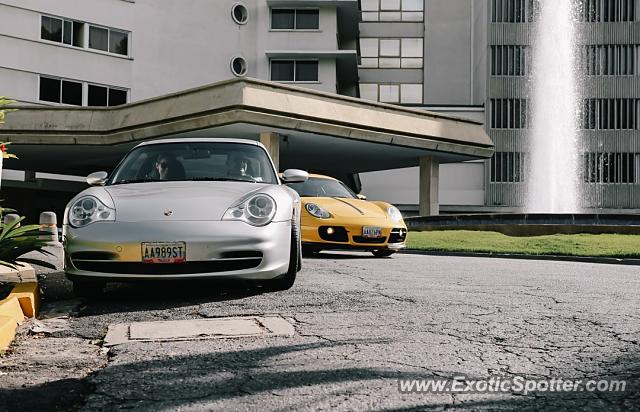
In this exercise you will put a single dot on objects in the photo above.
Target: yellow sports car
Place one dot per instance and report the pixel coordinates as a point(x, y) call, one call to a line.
point(334, 217)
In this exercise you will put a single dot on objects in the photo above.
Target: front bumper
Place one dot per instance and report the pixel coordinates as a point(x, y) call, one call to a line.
point(349, 236)
point(113, 250)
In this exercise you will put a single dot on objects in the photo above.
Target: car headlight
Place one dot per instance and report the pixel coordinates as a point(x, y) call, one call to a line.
point(89, 209)
point(317, 211)
point(257, 210)
point(394, 214)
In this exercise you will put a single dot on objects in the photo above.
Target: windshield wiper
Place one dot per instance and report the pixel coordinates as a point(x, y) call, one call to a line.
point(223, 179)
point(122, 182)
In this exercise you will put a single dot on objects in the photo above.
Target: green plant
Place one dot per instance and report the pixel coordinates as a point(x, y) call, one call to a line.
point(16, 240)
point(3, 112)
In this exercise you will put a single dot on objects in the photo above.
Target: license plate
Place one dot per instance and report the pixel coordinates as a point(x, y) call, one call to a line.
point(371, 231)
point(164, 252)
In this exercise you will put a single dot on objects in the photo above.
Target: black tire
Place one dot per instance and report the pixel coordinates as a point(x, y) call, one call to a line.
point(382, 252)
point(88, 288)
point(287, 280)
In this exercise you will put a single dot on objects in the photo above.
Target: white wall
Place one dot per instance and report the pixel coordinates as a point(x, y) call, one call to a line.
point(174, 45)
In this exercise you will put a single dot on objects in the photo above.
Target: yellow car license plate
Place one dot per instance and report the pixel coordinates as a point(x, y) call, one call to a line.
point(371, 231)
point(164, 252)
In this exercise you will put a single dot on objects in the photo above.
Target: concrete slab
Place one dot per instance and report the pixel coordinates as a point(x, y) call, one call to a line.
point(232, 327)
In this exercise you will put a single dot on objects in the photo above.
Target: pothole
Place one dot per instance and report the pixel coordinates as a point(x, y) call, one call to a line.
point(195, 329)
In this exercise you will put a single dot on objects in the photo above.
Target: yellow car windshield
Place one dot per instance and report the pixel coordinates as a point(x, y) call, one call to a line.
point(318, 187)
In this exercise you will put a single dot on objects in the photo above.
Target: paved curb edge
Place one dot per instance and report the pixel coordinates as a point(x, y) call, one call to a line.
point(23, 301)
point(583, 259)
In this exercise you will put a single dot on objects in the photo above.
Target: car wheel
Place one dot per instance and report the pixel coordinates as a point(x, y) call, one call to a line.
point(383, 252)
point(88, 288)
point(287, 280)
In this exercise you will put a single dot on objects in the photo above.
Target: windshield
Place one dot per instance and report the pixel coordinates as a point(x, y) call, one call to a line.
point(319, 187)
point(195, 161)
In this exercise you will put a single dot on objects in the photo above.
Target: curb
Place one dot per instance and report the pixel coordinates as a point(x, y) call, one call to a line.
point(582, 259)
point(23, 301)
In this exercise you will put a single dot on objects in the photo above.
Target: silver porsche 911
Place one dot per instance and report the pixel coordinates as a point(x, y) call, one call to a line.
point(185, 208)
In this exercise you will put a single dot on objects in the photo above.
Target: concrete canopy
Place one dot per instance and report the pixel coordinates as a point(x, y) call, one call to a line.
point(319, 131)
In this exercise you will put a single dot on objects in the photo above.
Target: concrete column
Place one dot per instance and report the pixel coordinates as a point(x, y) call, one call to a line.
point(271, 141)
point(429, 185)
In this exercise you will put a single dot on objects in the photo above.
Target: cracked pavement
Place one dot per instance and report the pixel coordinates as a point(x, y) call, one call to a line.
point(361, 324)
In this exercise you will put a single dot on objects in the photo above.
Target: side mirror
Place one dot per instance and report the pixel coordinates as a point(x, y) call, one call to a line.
point(97, 178)
point(295, 176)
point(362, 197)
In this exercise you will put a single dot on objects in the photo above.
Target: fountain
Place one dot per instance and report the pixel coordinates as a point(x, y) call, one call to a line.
point(553, 202)
point(553, 177)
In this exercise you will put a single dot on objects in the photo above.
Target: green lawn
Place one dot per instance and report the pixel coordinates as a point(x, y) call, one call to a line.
point(491, 242)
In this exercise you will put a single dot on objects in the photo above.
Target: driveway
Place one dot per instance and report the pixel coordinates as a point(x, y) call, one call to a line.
point(361, 325)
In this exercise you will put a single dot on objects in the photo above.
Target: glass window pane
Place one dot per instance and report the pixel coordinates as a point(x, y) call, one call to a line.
point(412, 47)
point(66, 35)
point(390, 16)
point(282, 70)
point(72, 93)
point(390, 47)
point(389, 93)
point(51, 29)
point(49, 89)
point(78, 34)
point(369, 91)
point(369, 62)
point(369, 47)
point(412, 16)
point(411, 63)
point(98, 38)
point(282, 19)
point(307, 19)
point(412, 5)
point(306, 71)
point(389, 4)
point(369, 5)
point(97, 96)
point(411, 93)
point(118, 42)
point(117, 97)
point(369, 16)
point(389, 63)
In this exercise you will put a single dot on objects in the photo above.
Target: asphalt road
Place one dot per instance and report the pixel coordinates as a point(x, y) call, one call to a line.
point(361, 324)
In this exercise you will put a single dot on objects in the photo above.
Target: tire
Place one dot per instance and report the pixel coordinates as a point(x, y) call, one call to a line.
point(287, 280)
point(88, 288)
point(379, 253)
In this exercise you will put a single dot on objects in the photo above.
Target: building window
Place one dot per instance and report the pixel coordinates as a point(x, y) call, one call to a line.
point(238, 66)
point(294, 70)
point(610, 60)
point(60, 91)
point(392, 10)
point(508, 113)
point(508, 60)
point(390, 53)
point(240, 13)
point(62, 31)
point(406, 93)
point(295, 19)
point(109, 40)
point(604, 11)
point(507, 167)
point(105, 96)
point(71, 92)
point(610, 167)
point(611, 114)
point(513, 11)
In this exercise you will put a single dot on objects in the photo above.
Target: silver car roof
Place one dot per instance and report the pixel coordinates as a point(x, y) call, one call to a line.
point(201, 140)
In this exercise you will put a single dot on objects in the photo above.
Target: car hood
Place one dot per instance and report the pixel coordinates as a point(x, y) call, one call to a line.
point(164, 201)
point(345, 207)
